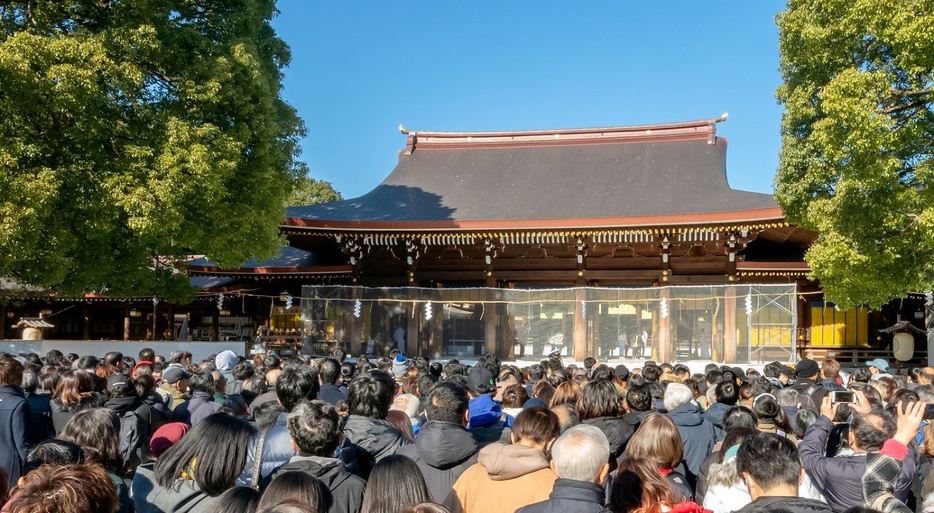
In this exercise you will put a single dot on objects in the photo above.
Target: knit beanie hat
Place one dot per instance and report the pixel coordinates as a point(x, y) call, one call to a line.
point(400, 365)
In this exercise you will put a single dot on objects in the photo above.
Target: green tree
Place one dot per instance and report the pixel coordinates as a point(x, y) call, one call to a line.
point(857, 142)
point(309, 191)
point(136, 132)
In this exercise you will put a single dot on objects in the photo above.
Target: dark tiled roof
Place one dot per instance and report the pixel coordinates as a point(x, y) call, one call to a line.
point(288, 257)
point(569, 178)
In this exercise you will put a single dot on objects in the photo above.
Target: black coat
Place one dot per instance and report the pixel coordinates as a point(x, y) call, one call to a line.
point(14, 415)
point(346, 489)
point(570, 496)
point(617, 431)
point(785, 505)
point(62, 414)
point(331, 394)
point(372, 439)
point(40, 418)
point(442, 451)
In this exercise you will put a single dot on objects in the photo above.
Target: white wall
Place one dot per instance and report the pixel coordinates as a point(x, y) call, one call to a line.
point(199, 350)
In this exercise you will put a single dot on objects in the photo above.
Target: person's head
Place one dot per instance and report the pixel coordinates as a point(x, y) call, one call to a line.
point(480, 381)
point(733, 438)
point(52, 452)
point(651, 373)
point(97, 432)
point(769, 463)
point(536, 371)
point(807, 369)
point(267, 413)
point(682, 371)
point(638, 399)
point(535, 427)
point(598, 399)
point(166, 436)
point(315, 429)
point(73, 386)
point(394, 484)
point(120, 385)
point(739, 416)
point(787, 396)
point(567, 392)
point(146, 354)
point(926, 376)
point(298, 486)
point(370, 394)
point(218, 447)
point(677, 394)
point(447, 402)
point(567, 416)
point(802, 421)
point(581, 454)
point(297, 383)
point(657, 439)
point(239, 499)
point(177, 377)
point(202, 382)
point(82, 488)
point(870, 430)
point(727, 393)
point(639, 486)
point(767, 409)
point(830, 368)
point(330, 371)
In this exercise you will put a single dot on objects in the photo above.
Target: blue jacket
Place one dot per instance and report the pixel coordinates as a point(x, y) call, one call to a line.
point(698, 435)
point(277, 451)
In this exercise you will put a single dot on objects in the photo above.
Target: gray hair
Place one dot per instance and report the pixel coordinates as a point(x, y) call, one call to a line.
point(786, 397)
point(677, 394)
point(412, 404)
point(580, 453)
point(30, 381)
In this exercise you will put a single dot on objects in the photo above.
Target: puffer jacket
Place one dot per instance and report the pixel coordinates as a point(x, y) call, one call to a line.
point(714, 414)
point(346, 489)
point(373, 440)
point(277, 451)
point(569, 495)
point(617, 431)
point(196, 409)
point(486, 422)
point(442, 451)
point(505, 478)
point(697, 434)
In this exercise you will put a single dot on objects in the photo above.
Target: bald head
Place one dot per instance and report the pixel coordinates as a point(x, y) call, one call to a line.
point(272, 376)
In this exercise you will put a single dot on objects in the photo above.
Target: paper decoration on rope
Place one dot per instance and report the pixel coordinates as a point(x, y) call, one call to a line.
point(663, 308)
point(583, 309)
point(428, 311)
point(356, 308)
point(288, 302)
point(220, 301)
point(749, 304)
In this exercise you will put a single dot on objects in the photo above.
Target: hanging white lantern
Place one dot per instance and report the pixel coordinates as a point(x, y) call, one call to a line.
point(903, 346)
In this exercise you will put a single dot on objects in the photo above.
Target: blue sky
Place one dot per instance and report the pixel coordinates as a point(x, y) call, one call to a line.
point(361, 68)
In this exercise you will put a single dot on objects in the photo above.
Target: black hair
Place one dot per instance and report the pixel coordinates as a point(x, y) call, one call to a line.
point(452, 369)
point(772, 370)
point(651, 373)
point(447, 402)
point(218, 444)
point(348, 371)
point(771, 460)
point(330, 371)
point(30, 381)
point(435, 369)
point(622, 372)
point(97, 431)
point(52, 452)
point(315, 429)
point(370, 394)
point(681, 369)
point(589, 362)
point(298, 487)
point(536, 371)
point(869, 437)
point(146, 354)
point(88, 362)
point(297, 383)
point(271, 361)
point(113, 357)
point(739, 416)
point(266, 414)
point(55, 358)
point(242, 371)
point(713, 377)
point(727, 392)
point(599, 399)
point(239, 499)
point(339, 354)
point(202, 382)
point(394, 484)
point(860, 375)
point(426, 383)
point(760, 385)
point(638, 398)
point(601, 372)
point(178, 356)
point(802, 421)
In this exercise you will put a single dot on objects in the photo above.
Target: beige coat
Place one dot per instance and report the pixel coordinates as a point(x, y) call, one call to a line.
point(504, 479)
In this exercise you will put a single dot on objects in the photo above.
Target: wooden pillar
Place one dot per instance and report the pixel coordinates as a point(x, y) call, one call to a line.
point(580, 325)
point(215, 324)
point(436, 333)
point(86, 322)
point(663, 335)
point(171, 323)
point(729, 326)
point(126, 322)
point(489, 315)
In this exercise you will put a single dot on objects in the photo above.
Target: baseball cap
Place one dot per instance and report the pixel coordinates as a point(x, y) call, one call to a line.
point(878, 363)
point(174, 375)
point(478, 377)
point(118, 381)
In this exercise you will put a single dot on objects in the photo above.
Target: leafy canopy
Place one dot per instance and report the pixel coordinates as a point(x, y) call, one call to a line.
point(309, 191)
point(857, 135)
point(136, 132)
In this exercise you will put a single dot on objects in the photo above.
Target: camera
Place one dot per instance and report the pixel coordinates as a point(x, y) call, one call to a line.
point(838, 397)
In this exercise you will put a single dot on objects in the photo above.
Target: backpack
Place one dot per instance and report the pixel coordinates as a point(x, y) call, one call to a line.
point(806, 399)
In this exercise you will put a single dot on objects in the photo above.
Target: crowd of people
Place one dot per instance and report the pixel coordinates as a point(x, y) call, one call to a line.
point(337, 435)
